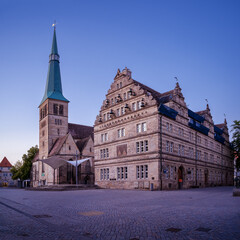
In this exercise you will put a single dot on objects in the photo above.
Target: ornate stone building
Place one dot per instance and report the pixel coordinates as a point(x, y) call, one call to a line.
point(145, 139)
point(59, 140)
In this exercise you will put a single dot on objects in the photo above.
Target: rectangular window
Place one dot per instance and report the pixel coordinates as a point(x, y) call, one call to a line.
point(171, 147)
point(121, 132)
point(138, 172)
point(171, 172)
point(104, 174)
point(138, 105)
point(146, 145)
point(122, 110)
point(122, 173)
point(167, 126)
point(124, 96)
point(137, 147)
point(138, 128)
point(118, 112)
point(102, 137)
point(144, 127)
point(167, 146)
point(142, 146)
point(170, 127)
point(106, 137)
point(205, 156)
point(134, 106)
point(142, 171)
point(104, 153)
point(104, 117)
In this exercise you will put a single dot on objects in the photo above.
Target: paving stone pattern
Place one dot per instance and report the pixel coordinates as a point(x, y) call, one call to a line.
point(210, 213)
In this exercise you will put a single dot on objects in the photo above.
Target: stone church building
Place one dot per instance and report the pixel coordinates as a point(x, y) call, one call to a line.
point(144, 139)
point(59, 140)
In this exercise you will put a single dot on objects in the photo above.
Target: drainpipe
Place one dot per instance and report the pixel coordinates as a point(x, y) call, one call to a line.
point(196, 158)
point(161, 152)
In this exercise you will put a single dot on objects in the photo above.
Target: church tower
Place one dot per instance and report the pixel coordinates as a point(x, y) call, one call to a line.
point(53, 109)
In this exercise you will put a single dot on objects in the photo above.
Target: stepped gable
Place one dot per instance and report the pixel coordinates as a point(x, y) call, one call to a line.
point(57, 145)
point(80, 131)
point(5, 163)
point(221, 125)
point(159, 97)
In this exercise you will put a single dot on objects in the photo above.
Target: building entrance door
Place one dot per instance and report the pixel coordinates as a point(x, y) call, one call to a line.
point(180, 177)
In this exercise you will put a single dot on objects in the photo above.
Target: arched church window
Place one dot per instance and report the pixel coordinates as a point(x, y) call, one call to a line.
point(61, 110)
point(55, 109)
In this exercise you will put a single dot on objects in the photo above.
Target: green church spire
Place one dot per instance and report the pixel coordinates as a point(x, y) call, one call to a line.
point(53, 88)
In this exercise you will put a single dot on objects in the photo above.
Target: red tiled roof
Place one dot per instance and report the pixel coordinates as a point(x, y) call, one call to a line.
point(5, 163)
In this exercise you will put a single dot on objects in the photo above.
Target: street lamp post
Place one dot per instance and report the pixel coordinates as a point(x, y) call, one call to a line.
point(76, 170)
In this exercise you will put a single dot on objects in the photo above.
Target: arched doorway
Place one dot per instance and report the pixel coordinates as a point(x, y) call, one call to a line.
point(180, 177)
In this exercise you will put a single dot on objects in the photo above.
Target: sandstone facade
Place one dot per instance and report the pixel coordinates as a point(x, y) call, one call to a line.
point(145, 139)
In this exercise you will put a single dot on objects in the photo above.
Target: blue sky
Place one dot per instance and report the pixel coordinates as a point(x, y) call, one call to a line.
point(197, 41)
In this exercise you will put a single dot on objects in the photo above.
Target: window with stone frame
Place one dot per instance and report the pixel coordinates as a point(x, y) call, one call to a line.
point(134, 106)
point(104, 153)
point(181, 150)
point(122, 173)
point(139, 105)
point(206, 156)
point(104, 174)
point(121, 132)
point(171, 147)
point(142, 171)
point(171, 172)
point(167, 146)
point(118, 112)
point(142, 146)
point(122, 110)
point(141, 127)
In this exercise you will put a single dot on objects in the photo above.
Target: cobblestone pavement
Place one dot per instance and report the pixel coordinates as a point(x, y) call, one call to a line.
point(210, 213)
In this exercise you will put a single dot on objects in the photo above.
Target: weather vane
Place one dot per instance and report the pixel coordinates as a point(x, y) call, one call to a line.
point(206, 100)
point(54, 24)
point(224, 115)
point(176, 79)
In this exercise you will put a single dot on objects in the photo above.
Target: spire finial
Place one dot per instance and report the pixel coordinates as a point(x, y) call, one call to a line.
point(54, 24)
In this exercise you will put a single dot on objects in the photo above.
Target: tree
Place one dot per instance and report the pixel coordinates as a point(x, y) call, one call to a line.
point(22, 169)
point(236, 142)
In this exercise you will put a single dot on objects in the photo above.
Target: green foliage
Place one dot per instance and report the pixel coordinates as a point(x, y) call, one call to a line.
point(22, 169)
point(236, 142)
